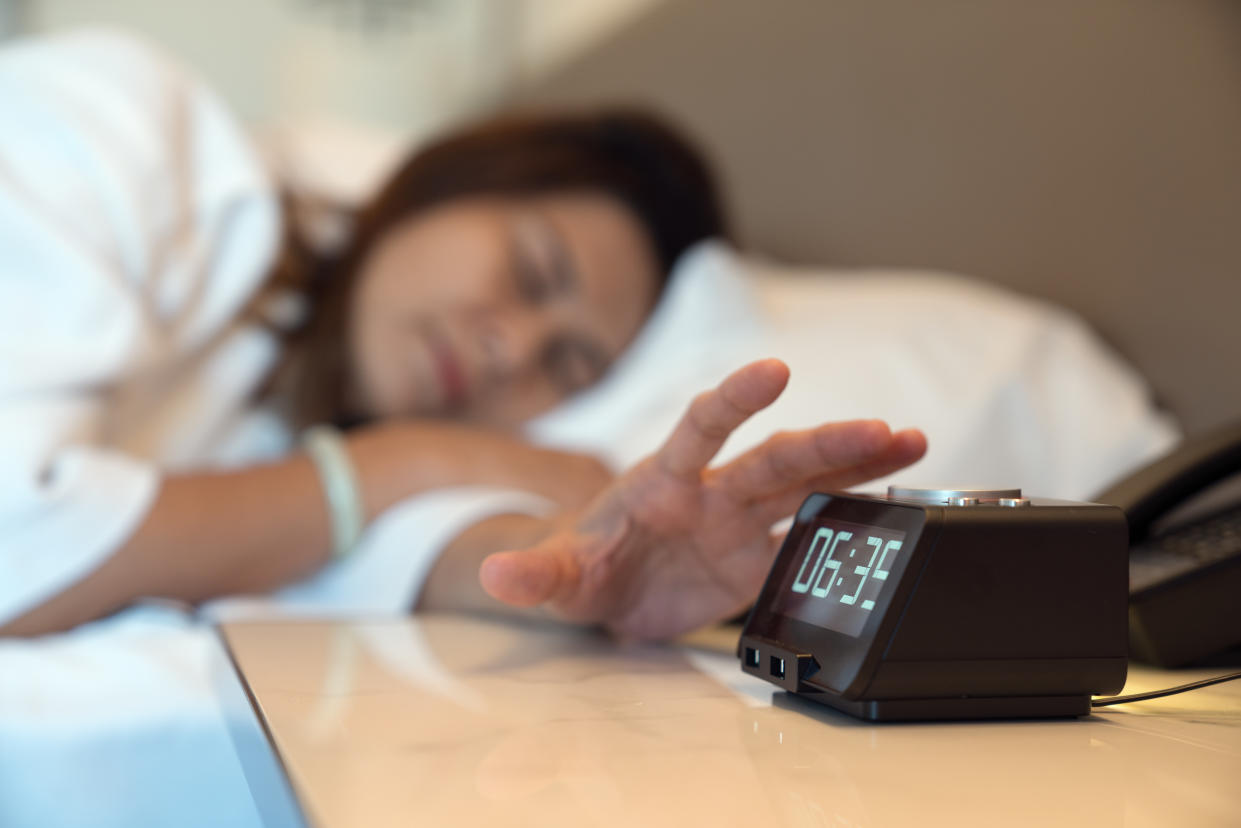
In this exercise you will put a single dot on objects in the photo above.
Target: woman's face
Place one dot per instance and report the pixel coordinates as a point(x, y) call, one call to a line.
point(493, 309)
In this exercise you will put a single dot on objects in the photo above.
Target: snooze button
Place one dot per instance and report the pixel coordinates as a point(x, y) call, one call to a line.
point(954, 497)
point(1014, 501)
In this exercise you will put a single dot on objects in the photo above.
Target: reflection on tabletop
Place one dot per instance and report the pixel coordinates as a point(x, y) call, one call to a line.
point(476, 722)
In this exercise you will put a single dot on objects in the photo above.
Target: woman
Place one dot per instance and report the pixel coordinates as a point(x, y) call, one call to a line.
point(497, 273)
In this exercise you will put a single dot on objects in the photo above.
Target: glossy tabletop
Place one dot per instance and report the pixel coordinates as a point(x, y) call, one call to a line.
point(458, 721)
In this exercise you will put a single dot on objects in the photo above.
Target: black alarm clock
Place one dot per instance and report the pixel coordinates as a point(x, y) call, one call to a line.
point(945, 604)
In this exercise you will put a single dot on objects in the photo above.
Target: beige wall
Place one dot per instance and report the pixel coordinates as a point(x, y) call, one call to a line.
point(1085, 151)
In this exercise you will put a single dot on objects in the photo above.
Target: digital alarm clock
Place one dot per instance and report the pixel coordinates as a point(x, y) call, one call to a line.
point(945, 604)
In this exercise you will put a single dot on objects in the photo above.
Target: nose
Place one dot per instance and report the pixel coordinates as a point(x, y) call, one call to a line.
point(513, 341)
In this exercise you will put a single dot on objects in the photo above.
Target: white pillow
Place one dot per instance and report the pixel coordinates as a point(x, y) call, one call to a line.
point(1009, 390)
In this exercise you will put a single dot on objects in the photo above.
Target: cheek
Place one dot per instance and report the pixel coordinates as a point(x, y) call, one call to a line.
point(377, 382)
point(516, 403)
point(431, 281)
point(450, 259)
point(632, 312)
point(619, 315)
point(412, 284)
point(438, 280)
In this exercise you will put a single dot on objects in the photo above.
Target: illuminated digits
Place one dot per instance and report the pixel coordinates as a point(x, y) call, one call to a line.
point(864, 571)
point(826, 536)
point(881, 574)
point(829, 568)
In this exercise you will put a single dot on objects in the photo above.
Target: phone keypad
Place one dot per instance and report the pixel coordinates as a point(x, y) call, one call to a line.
point(1185, 548)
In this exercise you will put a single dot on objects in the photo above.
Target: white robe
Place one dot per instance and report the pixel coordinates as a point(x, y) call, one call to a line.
point(135, 222)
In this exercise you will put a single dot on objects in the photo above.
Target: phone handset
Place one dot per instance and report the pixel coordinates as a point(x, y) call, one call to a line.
point(1151, 492)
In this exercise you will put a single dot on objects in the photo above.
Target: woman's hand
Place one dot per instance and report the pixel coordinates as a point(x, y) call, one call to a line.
point(672, 544)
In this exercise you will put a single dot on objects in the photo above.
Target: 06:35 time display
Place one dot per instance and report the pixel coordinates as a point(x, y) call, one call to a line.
point(840, 574)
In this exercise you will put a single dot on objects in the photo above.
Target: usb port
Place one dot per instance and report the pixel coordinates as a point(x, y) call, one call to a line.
point(777, 667)
point(751, 657)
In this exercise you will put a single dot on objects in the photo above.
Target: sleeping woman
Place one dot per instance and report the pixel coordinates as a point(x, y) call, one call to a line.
point(165, 337)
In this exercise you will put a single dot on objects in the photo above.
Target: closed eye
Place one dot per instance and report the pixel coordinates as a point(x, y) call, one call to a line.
point(542, 266)
point(574, 364)
point(533, 283)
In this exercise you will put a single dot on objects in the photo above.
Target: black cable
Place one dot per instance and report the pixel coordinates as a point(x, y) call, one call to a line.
point(1169, 691)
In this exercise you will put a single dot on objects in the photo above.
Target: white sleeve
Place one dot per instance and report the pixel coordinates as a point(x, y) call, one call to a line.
point(135, 221)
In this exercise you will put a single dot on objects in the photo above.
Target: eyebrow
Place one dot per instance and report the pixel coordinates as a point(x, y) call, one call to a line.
point(564, 271)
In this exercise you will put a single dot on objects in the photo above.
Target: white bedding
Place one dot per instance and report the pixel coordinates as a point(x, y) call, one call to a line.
point(1008, 389)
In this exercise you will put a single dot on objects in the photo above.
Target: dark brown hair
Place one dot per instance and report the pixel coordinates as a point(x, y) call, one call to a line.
point(628, 154)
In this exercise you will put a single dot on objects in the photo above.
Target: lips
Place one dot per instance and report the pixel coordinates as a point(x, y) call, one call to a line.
point(448, 371)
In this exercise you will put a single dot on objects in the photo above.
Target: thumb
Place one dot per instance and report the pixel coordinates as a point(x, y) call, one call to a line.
point(527, 577)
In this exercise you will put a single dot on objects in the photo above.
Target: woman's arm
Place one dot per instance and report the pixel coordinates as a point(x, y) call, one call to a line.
point(205, 535)
point(255, 529)
point(669, 545)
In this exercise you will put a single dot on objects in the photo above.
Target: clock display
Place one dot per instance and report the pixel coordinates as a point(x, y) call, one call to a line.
point(838, 574)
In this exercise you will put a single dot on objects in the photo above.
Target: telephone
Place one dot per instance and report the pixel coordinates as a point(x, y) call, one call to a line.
point(1184, 513)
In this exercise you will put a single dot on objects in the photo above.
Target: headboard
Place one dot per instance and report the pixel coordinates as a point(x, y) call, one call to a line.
point(1086, 151)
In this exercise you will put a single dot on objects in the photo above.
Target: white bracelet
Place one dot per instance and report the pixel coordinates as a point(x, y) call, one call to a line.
point(327, 451)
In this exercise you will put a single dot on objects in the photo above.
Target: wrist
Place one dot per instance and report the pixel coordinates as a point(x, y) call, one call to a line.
point(384, 460)
point(338, 480)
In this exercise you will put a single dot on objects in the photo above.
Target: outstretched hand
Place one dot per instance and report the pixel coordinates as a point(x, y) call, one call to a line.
point(673, 544)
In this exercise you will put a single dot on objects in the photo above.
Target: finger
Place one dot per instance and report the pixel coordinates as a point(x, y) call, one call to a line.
point(791, 457)
point(527, 577)
point(714, 414)
point(905, 447)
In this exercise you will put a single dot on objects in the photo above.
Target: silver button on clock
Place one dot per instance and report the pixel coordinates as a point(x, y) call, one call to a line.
point(959, 497)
